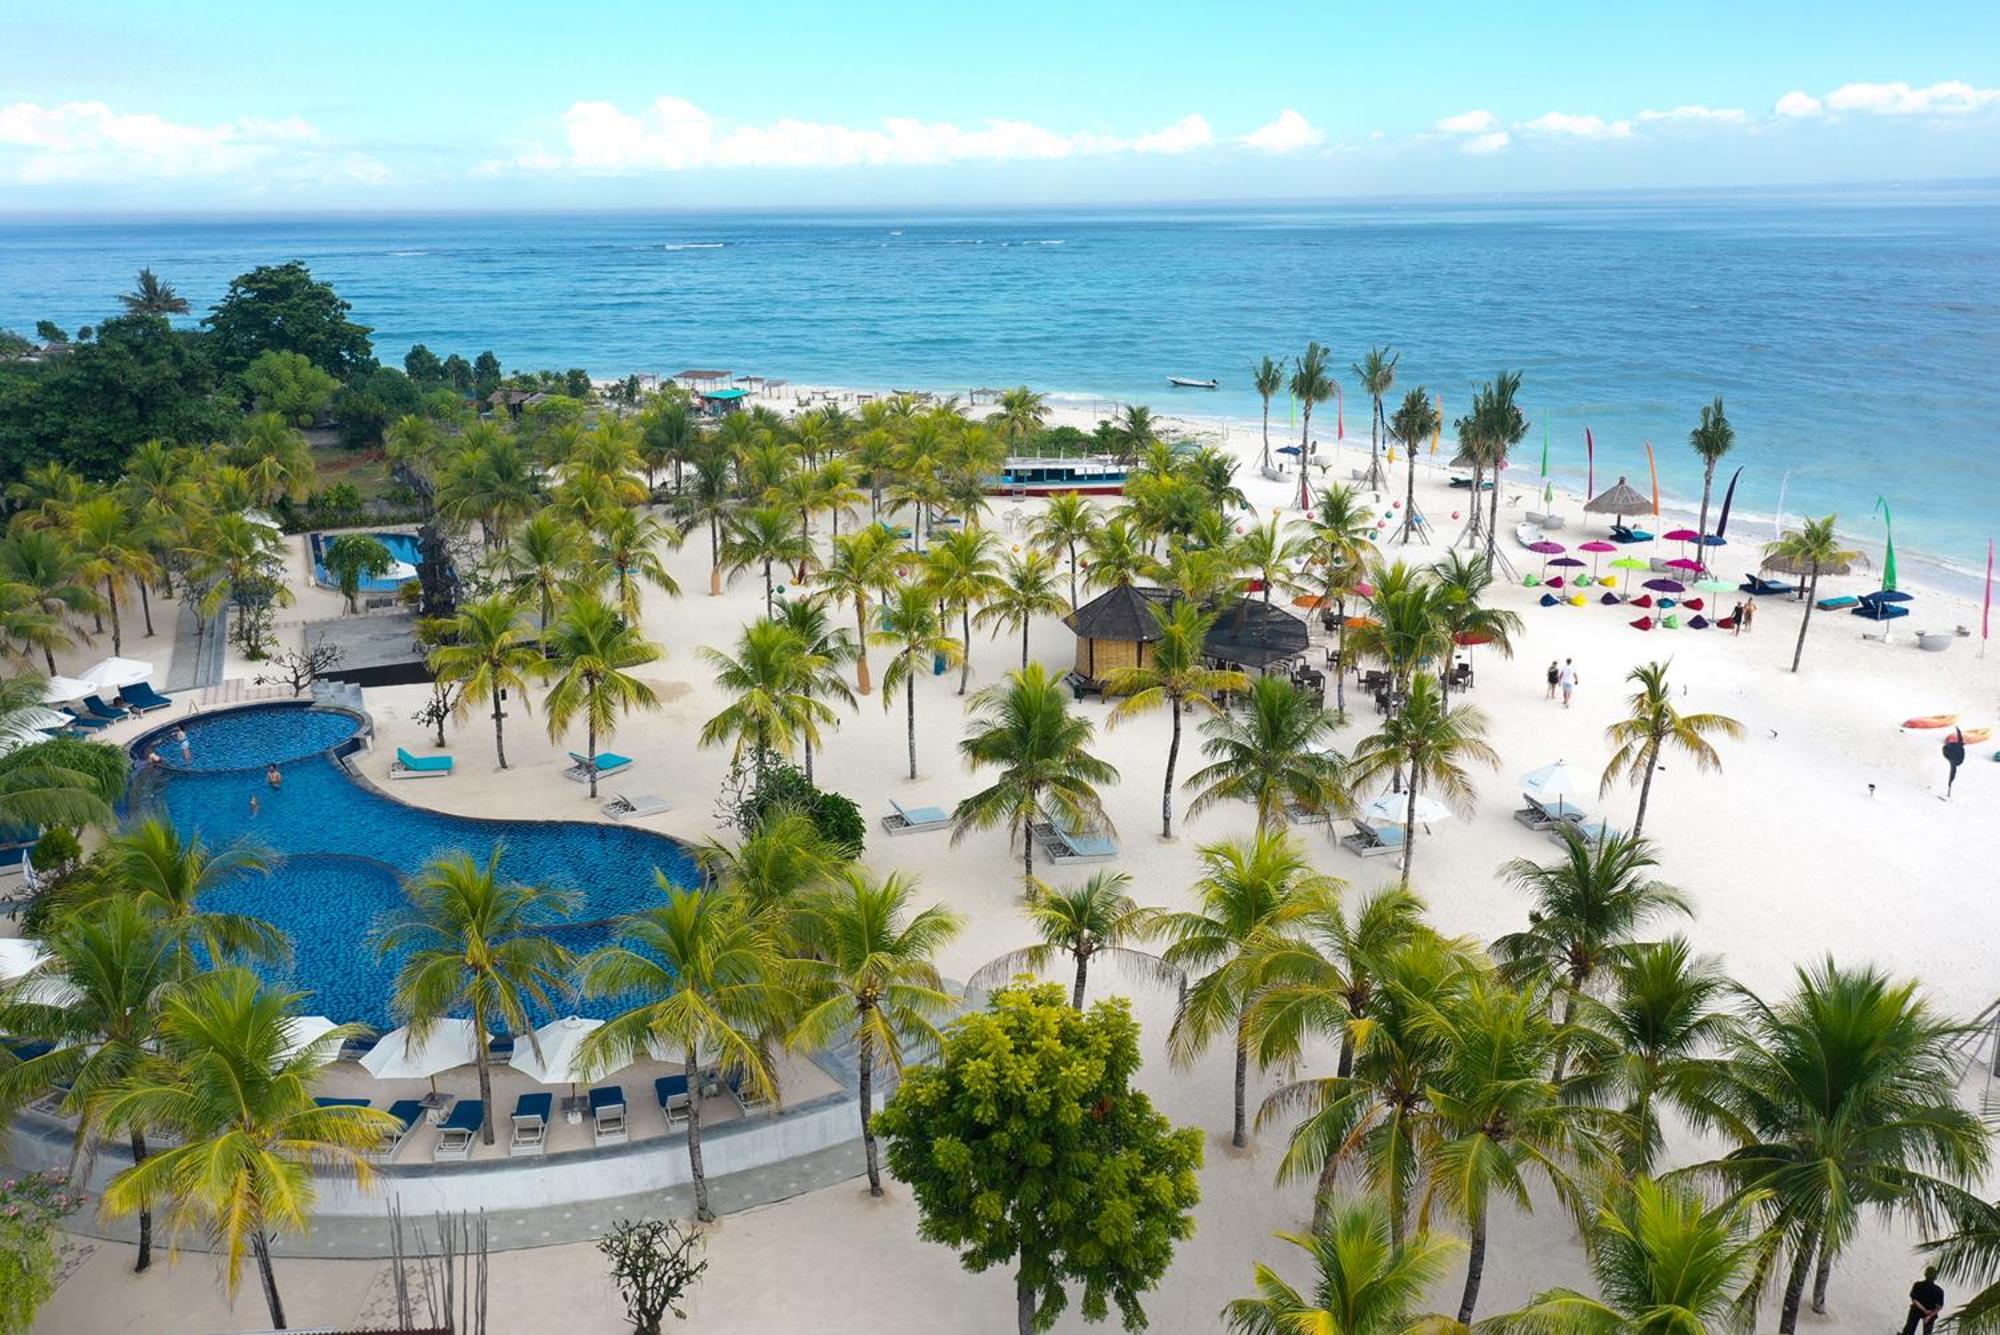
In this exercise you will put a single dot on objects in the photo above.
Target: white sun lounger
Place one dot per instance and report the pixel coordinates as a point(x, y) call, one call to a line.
point(1373, 841)
point(1543, 815)
point(645, 804)
point(911, 820)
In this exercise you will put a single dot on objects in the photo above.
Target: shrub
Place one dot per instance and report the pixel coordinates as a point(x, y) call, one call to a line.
point(746, 802)
point(653, 1263)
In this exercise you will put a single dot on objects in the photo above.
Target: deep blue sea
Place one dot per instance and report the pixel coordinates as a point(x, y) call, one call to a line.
point(1855, 335)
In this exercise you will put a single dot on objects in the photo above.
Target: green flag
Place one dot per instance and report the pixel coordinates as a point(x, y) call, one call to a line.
point(1889, 545)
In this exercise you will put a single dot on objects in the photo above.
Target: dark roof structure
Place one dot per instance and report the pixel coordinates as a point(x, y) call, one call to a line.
point(1251, 631)
point(1121, 612)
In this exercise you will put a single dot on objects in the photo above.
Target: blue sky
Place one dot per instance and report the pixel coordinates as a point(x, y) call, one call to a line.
point(116, 104)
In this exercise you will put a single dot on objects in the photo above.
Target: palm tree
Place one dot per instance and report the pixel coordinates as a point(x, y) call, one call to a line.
point(1408, 627)
point(1335, 545)
point(628, 544)
point(274, 456)
point(1024, 589)
point(1254, 894)
point(1267, 558)
point(1310, 384)
point(709, 500)
point(1025, 730)
point(1021, 416)
point(92, 1004)
point(1812, 551)
point(770, 710)
point(711, 984)
point(1711, 440)
point(487, 651)
point(911, 625)
point(826, 650)
point(1653, 726)
point(491, 481)
point(963, 570)
point(1496, 1115)
point(544, 561)
point(111, 543)
point(46, 575)
point(150, 296)
point(151, 866)
point(766, 536)
point(1413, 422)
point(1083, 922)
point(350, 558)
point(1178, 677)
point(1376, 373)
point(782, 860)
point(1588, 911)
point(476, 944)
point(1664, 1260)
point(36, 792)
point(869, 981)
point(594, 652)
point(1495, 425)
point(1435, 741)
point(1134, 431)
point(1366, 1281)
point(1277, 755)
point(1267, 378)
point(1118, 556)
point(1461, 581)
point(1846, 1098)
point(233, 1086)
point(1069, 519)
point(860, 566)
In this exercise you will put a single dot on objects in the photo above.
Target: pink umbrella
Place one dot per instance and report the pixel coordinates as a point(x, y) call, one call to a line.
point(1597, 547)
point(1683, 563)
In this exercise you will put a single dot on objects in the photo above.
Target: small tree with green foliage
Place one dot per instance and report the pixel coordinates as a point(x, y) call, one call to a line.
point(351, 557)
point(31, 1209)
point(288, 384)
point(653, 1263)
point(1025, 1143)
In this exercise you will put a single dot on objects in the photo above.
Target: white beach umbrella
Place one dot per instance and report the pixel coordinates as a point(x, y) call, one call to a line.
point(1394, 809)
point(27, 726)
point(1553, 783)
point(303, 1030)
point(450, 1044)
point(561, 1044)
point(115, 674)
point(60, 690)
point(17, 956)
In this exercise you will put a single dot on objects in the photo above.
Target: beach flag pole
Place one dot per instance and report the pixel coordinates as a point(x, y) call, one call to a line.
point(1986, 608)
point(1888, 544)
point(1589, 465)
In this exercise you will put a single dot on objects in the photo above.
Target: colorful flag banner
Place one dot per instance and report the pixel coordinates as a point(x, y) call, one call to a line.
point(1722, 524)
point(1437, 432)
point(1778, 520)
point(1654, 469)
point(1590, 465)
point(1986, 610)
point(1548, 488)
point(1888, 544)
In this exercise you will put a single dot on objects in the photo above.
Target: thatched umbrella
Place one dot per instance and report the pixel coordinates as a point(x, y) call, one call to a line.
point(1620, 500)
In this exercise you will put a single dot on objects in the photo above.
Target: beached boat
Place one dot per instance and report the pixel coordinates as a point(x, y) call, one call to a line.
point(1094, 475)
point(1528, 534)
point(1183, 382)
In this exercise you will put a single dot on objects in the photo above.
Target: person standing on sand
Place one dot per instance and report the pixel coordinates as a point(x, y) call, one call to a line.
point(1555, 673)
point(1736, 620)
point(1926, 1301)
point(1954, 756)
point(1749, 613)
point(1567, 679)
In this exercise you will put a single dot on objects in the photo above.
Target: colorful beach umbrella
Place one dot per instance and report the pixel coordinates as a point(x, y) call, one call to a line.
point(1715, 586)
point(1597, 547)
point(1683, 563)
point(1666, 586)
point(1567, 562)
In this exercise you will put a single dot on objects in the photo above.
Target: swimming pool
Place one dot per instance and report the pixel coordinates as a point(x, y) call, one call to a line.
point(343, 848)
point(403, 551)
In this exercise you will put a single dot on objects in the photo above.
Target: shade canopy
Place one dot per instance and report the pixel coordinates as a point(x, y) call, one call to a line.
point(59, 690)
point(1466, 639)
point(1597, 545)
point(1666, 586)
point(1256, 635)
point(1684, 563)
point(1631, 563)
point(561, 1050)
point(115, 673)
point(1715, 586)
point(450, 1044)
point(1121, 612)
point(1619, 499)
point(1785, 565)
point(1566, 561)
point(1394, 809)
point(1682, 535)
point(1547, 548)
point(301, 1031)
point(1887, 596)
point(1287, 449)
point(1553, 782)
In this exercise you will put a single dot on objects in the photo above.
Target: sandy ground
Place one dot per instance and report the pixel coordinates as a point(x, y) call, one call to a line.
point(1825, 833)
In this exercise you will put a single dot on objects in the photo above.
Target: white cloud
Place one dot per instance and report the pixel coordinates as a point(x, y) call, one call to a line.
point(1719, 115)
point(1797, 105)
point(1289, 133)
point(1899, 99)
point(1578, 127)
point(1479, 145)
point(1183, 136)
point(85, 142)
point(1468, 122)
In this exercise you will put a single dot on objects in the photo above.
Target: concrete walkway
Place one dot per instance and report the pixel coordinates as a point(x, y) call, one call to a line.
point(200, 648)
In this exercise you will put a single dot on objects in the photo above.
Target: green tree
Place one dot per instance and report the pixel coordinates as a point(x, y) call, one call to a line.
point(770, 682)
point(1267, 378)
point(711, 984)
point(1365, 1281)
point(1024, 729)
point(861, 566)
point(1177, 677)
point(628, 543)
point(1083, 922)
point(1376, 374)
point(168, 877)
point(1436, 742)
point(1118, 557)
point(38, 784)
point(280, 307)
point(1812, 551)
point(423, 366)
point(1024, 589)
point(1069, 519)
point(963, 570)
point(476, 944)
point(1278, 755)
point(43, 576)
point(825, 650)
point(150, 296)
point(1710, 440)
point(594, 652)
point(1654, 726)
point(1461, 582)
point(544, 562)
point(1254, 896)
point(488, 650)
point(350, 558)
point(869, 981)
point(1020, 417)
point(1026, 1144)
point(767, 536)
point(1415, 421)
point(112, 543)
point(1310, 384)
point(288, 384)
point(909, 624)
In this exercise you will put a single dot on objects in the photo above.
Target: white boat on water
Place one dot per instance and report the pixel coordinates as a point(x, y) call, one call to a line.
point(1183, 382)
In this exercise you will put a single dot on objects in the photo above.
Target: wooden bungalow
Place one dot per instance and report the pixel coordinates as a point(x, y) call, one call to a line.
point(1114, 629)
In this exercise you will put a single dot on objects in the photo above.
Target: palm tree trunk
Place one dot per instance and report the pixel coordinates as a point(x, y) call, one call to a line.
point(484, 1061)
point(1340, 667)
point(145, 1258)
point(867, 1082)
point(1646, 786)
point(1025, 623)
point(808, 743)
point(1266, 461)
point(767, 586)
point(49, 656)
point(714, 556)
point(117, 631)
point(965, 638)
point(1701, 527)
point(1410, 825)
point(1493, 528)
point(1475, 1268)
point(1082, 976)
point(1821, 1274)
point(1024, 1303)
point(910, 707)
point(146, 606)
point(1237, 1136)
point(1027, 852)
point(1072, 551)
point(1305, 457)
point(1812, 596)
point(499, 740)
point(695, 1173)
point(1173, 755)
point(1410, 497)
point(862, 681)
point(590, 762)
point(260, 1247)
point(1795, 1283)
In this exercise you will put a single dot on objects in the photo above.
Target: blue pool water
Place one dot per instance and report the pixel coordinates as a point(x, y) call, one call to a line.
point(402, 549)
point(343, 848)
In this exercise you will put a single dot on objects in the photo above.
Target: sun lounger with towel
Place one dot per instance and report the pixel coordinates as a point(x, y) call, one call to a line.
point(1066, 846)
point(607, 1115)
point(1759, 587)
point(672, 1092)
point(1373, 841)
point(1837, 602)
point(407, 1112)
point(531, 1124)
point(109, 713)
point(1541, 815)
point(455, 1136)
point(746, 1098)
point(910, 820)
point(1589, 830)
point(604, 763)
point(645, 804)
point(141, 698)
point(85, 721)
point(408, 766)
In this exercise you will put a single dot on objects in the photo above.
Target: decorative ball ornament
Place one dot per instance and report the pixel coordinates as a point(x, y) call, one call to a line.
point(1395, 505)
point(1454, 514)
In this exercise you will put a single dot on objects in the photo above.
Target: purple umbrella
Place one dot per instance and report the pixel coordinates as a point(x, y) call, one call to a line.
point(1666, 586)
point(1565, 561)
point(1547, 549)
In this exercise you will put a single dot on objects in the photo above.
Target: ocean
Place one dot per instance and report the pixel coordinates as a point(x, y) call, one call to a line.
point(1854, 335)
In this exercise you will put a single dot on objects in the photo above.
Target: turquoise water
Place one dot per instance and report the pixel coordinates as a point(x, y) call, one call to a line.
point(1854, 334)
point(343, 849)
point(402, 547)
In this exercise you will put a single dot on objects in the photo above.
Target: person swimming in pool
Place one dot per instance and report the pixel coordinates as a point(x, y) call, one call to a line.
point(274, 776)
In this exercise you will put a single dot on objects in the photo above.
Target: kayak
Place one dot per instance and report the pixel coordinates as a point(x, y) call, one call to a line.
point(1974, 736)
point(1931, 721)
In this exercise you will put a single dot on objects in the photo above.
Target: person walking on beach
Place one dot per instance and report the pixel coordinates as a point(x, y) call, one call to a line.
point(1567, 679)
point(1954, 756)
point(1555, 673)
point(1926, 1301)
point(187, 752)
point(1749, 613)
point(1736, 620)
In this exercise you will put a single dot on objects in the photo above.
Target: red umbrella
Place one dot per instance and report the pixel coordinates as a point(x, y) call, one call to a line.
point(1683, 563)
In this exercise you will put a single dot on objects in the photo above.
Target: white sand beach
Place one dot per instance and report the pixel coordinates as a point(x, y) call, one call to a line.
point(1824, 833)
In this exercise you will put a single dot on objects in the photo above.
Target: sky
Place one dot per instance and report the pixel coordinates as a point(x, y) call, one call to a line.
point(231, 106)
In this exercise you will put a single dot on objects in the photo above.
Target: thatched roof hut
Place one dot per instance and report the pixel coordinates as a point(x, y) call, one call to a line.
point(1114, 628)
point(1620, 500)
